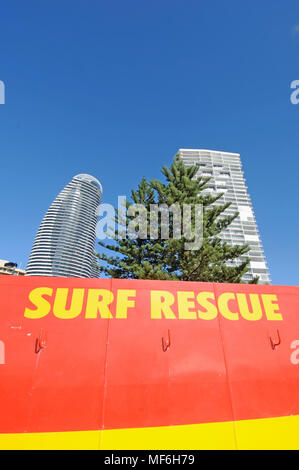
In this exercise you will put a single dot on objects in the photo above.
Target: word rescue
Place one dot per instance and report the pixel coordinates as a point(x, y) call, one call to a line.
point(68, 303)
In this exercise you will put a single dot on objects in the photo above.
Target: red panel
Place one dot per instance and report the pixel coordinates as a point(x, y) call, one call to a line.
point(16, 375)
point(69, 382)
point(198, 389)
point(97, 373)
point(264, 382)
point(137, 368)
point(149, 387)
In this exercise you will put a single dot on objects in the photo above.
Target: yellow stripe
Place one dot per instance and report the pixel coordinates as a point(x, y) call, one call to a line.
point(270, 433)
point(192, 436)
point(85, 440)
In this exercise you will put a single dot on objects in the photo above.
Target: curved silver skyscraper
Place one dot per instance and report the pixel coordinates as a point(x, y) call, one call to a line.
point(65, 240)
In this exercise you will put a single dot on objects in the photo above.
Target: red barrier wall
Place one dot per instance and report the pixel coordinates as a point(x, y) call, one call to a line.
point(115, 354)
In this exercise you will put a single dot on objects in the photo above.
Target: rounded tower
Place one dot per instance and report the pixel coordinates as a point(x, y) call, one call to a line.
point(65, 240)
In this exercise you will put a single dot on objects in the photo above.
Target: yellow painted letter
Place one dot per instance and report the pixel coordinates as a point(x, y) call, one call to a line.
point(123, 302)
point(184, 304)
point(256, 309)
point(271, 307)
point(158, 307)
point(43, 306)
point(96, 305)
point(211, 311)
point(223, 300)
point(59, 308)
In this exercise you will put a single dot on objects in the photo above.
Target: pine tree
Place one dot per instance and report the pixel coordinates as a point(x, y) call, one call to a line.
point(139, 258)
point(159, 258)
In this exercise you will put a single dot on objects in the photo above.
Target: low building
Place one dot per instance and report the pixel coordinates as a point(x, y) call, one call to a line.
point(7, 267)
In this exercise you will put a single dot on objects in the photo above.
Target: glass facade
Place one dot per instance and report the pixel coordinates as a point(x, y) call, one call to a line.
point(225, 171)
point(64, 243)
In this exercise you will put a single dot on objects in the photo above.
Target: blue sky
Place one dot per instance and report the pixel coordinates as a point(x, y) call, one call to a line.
point(115, 88)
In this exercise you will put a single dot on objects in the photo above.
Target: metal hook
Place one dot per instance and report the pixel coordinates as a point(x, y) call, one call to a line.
point(273, 344)
point(166, 345)
point(41, 341)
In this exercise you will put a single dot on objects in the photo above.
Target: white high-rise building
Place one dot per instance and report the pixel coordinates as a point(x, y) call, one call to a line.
point(65, 240)
point(225, 170)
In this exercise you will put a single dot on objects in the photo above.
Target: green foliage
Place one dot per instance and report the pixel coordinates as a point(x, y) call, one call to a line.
point(149, 258)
